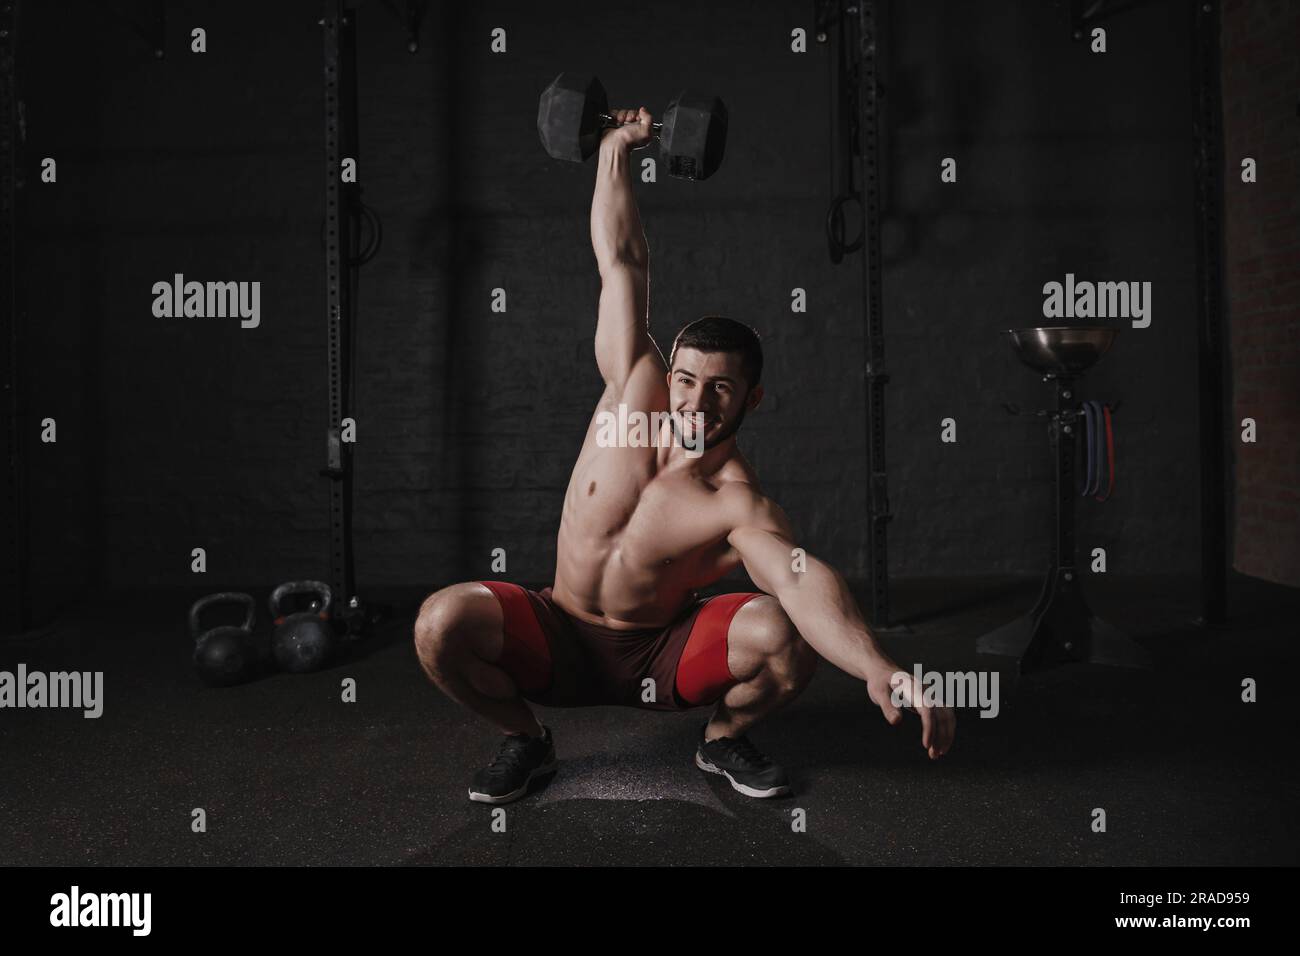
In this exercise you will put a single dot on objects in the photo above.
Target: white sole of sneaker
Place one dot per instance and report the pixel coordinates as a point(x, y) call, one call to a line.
point(513, 794)
point(706, 766)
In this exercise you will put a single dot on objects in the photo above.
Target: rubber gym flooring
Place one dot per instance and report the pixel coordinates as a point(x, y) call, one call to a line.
point(286, 773)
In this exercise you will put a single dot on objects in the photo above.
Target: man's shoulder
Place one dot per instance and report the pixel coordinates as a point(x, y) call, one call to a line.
point(740, 492)
point(737, 482)
point(737, 470)
point(745, 504)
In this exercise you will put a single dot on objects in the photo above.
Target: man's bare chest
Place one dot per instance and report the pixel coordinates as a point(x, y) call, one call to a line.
point(659, 518)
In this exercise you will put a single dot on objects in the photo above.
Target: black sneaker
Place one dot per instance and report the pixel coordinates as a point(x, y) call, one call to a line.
point(520, 759)
point(743, 764)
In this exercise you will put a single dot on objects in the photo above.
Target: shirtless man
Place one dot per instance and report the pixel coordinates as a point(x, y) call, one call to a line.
point(641, 529)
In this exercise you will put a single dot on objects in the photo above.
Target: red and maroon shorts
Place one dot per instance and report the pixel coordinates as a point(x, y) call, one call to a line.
point(560, 661)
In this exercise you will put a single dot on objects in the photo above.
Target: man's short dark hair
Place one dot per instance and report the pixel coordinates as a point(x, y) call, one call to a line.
point(714, 333)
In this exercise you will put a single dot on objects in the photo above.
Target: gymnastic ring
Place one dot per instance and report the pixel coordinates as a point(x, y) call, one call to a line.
point(835, 226)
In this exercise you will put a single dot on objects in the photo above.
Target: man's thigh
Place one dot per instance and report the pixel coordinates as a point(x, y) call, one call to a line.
point(705, 666)
point(540, 650)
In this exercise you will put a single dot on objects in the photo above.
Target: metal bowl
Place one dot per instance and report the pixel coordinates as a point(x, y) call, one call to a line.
point(1061, 350)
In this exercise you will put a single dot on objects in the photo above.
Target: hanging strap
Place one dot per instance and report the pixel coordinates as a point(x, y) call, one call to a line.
point(1110, 453)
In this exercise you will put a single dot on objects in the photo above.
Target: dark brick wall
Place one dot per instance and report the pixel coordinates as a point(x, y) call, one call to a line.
point(177, 433)
point(1261, 47)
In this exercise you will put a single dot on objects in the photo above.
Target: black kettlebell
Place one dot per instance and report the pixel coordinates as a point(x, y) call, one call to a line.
point(224, 655)
point(304, 640)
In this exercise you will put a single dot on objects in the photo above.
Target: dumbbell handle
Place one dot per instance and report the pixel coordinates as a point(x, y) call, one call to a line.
point(608, 122)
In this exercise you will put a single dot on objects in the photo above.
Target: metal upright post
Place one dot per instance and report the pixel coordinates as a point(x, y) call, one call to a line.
point(1211, 352)
point(14, 552)
point(876, 378)
point(338, 466)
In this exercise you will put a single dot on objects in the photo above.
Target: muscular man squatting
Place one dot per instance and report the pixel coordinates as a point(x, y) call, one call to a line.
point(642, 528)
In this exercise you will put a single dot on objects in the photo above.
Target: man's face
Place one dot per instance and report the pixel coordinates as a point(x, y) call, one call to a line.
point(712, 384)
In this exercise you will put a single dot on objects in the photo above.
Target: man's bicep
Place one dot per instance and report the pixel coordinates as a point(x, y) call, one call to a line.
point(754, 510)
point(622, 333)
point(767, 556)
point(763, 537)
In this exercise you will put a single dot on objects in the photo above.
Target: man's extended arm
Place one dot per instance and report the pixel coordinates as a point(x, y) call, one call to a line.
point(818, 602)
point(813, 594)
point(616, 233)
point(622, 256)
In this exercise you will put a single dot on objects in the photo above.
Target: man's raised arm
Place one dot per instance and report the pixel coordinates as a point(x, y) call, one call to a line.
point(622, 256)
point(818, 601)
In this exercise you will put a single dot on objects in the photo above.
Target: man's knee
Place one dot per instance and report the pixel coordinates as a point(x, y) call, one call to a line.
point(792, 667)
point(456, 619)
point(763, 628)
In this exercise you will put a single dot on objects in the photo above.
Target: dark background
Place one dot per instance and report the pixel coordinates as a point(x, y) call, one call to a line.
point(183, 433)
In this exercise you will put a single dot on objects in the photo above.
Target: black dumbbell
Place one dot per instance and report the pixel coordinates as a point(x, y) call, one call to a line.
point(573, 112)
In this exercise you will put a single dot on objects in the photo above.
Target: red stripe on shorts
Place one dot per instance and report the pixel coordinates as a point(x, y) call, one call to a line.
point(525, 655)
point(702, 672)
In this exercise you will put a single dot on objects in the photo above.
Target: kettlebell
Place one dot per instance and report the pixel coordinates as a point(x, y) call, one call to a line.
point(224, 655)
point(304, 640)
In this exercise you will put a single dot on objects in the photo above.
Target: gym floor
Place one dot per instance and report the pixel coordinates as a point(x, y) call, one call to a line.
point(286, 773)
